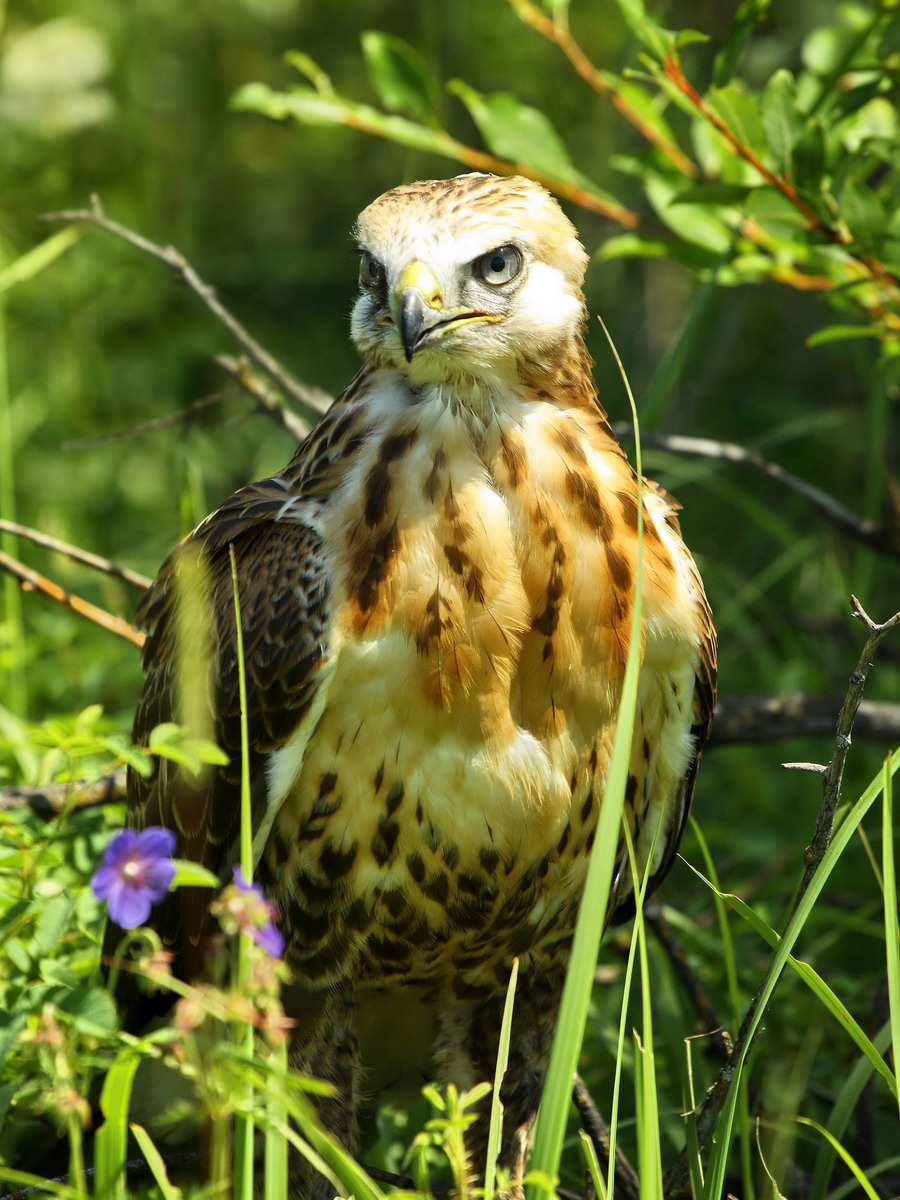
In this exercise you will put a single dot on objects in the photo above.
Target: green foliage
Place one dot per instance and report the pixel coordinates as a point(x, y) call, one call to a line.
point(739, 191)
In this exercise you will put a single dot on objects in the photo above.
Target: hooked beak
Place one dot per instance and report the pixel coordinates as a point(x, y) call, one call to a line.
point(418, 310)
point(418, 305)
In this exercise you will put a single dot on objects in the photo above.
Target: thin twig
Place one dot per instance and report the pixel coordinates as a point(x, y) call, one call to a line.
point(85, 557)
point(748, 719)
point(861, 529)
point(677, 1176)
point(33, 581)
point(121, 435)
point(628, 1184)
point(175, 260)
point(268, 400)
point(603, 83)
point(834, 772)
point(49, 801)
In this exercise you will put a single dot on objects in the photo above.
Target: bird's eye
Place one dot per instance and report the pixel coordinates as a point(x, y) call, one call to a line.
point(499, 266)
point(371, 272)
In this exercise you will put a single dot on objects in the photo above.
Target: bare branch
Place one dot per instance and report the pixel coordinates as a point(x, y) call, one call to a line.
point(743, 719)
point(48, 802)
point(861, 529)
point(120, 435)
point(310, 398)
point(268, 400)
point(85, 557)
point(32, 581)
point(834, 773)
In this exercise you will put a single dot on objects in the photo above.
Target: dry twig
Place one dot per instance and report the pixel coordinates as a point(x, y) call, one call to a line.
point(309, 397)
point(861, 529)
point(33, 581)
point(268, 400)
point(746, 719)
point(628, 1184)
point(119, 435)
point(677, 1176)
point(85, 557)
point(49, 801)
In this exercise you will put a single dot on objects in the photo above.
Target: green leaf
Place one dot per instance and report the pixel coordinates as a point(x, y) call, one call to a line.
point(53, 971)
point(842, 333)
point(659, 41)
point(192, 874)
point(155, 1162)
point(515, 130)
point(314, 109)
point(632, 245)
point(747, 17)
point(863, 212)
point(740, 112)
point(51, 924)
point(697, 224)
point(92, 1008)
point(112, 1137)
point(18, 955)
point(400, 76)
point(782, 122)
point(718, 194)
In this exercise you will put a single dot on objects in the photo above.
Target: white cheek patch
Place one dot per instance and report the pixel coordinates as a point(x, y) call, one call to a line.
point(544, 308)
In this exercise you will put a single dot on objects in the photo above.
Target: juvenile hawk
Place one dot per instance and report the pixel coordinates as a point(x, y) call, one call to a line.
point(435, 597)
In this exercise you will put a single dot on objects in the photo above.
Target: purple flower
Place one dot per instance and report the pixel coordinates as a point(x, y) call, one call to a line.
point(255, 915)
point(135, 873)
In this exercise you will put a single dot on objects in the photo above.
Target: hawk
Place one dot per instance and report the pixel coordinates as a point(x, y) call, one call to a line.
point(435, 597)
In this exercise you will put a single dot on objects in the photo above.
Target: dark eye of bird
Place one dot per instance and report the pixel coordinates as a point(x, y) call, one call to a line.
point(499, 266)
point(371, 272)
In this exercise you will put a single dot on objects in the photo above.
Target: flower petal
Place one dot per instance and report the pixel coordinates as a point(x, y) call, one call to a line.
point(121, 848)
point(269, 938)
point(129, 906)
point(156, 842)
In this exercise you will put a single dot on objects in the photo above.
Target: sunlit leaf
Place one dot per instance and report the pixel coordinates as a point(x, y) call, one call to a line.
point(782, 122)
point(191, 874)
point(712, 193)
point(747, 17)
point(741, 113)
point(862, 210)
point(843, 333)
point(400, 76)
point(515, 130)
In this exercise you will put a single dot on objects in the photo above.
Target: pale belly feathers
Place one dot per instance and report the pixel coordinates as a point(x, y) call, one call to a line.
point(482, 596)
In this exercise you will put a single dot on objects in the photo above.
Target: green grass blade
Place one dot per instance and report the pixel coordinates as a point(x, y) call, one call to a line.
point(27, 265)
point(843, 1110)
point(244, 1033)
point(891, 928)
point(845, 1155)
point(155, 1163)
point(554, 1107)
point(15, 690)
point(718, 1161)
point(496, 1124)
point(816, 985)
point(26, 1180)
point(111, 1144)
point(275, 1181)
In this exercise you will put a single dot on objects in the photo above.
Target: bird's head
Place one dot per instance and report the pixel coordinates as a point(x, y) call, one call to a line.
point(466, 278)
